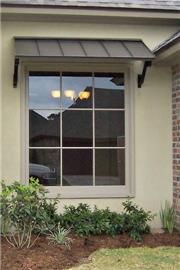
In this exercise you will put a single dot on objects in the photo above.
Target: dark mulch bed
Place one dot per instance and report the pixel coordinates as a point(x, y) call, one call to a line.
point(49, 257)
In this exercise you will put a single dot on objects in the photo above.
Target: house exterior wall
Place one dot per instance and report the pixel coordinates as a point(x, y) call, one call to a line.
point(152, 103)
point(176, 143)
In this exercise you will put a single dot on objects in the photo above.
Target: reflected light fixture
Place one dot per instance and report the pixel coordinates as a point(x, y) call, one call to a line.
point(84, 95)
point(55, 93)
point(69, 94)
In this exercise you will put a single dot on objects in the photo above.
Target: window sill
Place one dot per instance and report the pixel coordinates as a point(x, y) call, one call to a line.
point(89, 192)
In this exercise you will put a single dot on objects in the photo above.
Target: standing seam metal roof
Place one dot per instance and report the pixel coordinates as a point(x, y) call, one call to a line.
point(128, 49)
point(127, 4)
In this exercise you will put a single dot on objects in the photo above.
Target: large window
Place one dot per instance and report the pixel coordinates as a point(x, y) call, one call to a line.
point(77, 129)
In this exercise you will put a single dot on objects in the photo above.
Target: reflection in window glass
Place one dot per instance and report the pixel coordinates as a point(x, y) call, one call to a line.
point(77, 128)
point(44, 90)
point(109, 91)
point(44, 128)
point(77, 91)
point(110, 167)
point(77, 167)
point(109, 128)
point(45, 165)
point(79, 117)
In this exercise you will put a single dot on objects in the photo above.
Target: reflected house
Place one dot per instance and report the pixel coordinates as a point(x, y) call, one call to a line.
point(43, 130)
point(77, 129)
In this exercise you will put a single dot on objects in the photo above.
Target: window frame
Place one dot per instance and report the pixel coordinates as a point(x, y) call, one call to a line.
point(128, 190)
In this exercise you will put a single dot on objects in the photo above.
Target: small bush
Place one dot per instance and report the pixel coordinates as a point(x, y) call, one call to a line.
point(136, 220)
point(85, 221)
point(78, 218)
point(106, 222)
point(167, 216)
point(24, 210)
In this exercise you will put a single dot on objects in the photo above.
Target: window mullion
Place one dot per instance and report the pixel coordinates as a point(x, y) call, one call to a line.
point(27, 128)
point(61, 151)
point(93, 111)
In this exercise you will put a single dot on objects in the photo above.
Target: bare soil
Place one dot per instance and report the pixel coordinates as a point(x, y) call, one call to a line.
point(55, 257)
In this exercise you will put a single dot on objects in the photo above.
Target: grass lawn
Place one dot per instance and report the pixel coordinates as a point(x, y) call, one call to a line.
point(164, 258)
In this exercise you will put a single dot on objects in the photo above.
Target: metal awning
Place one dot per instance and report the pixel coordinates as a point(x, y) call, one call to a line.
point(126, 49)
point(80, 48)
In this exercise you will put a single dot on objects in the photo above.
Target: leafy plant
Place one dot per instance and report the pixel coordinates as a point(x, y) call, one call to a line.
point(78, 218)
point(85, 221)
point(60, 236)
point(24, 210)
point(167, 216)
point(136, 220)
point(106, 222)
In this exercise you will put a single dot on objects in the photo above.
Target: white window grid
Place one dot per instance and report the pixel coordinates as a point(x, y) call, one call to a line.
point(93, 110)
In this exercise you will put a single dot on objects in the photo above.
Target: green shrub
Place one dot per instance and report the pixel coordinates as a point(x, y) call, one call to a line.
point(106, 222)
point(167, 216)
point(84, 221)
point(24, 210)
point(136, 220)
point(78, 218)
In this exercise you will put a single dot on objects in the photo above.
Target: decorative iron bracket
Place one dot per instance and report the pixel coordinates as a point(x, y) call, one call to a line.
point(15, 75)
point(141, 77)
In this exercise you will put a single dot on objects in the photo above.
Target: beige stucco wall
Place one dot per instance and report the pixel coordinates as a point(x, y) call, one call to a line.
point(153, 174)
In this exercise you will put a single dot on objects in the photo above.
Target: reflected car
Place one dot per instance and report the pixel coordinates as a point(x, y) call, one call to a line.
point(43, 173)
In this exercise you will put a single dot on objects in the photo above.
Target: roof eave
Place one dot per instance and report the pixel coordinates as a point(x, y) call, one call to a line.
point(166, 46)
point(88, 15)
point(134, 9)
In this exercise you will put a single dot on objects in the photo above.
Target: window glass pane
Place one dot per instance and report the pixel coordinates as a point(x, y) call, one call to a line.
point(45, 165)
point(77, 91)
point(48, 104)
point(77, 167)
point(109, 128)
point(110, 167)
point(44, 90)
point(109, 91)
point(44, 128)
point(77, 128)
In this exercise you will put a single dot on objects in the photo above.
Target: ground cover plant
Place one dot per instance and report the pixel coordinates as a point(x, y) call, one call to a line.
point(133, 259)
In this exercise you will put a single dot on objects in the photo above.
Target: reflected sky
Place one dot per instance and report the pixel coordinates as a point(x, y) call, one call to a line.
point(107, 83)
point(41, 87)
point(76, 85)
point(47, 114)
